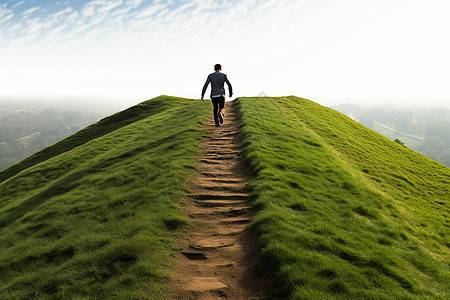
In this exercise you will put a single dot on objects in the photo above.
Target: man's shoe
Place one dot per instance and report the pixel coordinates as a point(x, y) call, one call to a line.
point(220, 117)
point(217, 125)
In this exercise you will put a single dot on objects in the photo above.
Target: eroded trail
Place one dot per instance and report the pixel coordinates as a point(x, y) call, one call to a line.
point(219, 253)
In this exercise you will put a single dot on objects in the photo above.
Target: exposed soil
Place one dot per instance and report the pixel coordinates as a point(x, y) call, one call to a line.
point(218, 254)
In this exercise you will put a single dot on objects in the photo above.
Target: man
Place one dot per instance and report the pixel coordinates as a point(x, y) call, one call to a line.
point(217, 80)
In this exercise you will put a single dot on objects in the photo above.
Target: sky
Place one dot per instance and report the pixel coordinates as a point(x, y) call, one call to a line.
point(132, 50)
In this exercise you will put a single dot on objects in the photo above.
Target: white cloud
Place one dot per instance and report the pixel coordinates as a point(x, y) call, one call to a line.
point(148, 11)
point(134, 3)
point(6, 18)
point(99, 7)
point(61, 13)
point(88, 11)
point(18, 4)
point(15, 28)
point(109, 5)
point(4, 11)
point(30, 11)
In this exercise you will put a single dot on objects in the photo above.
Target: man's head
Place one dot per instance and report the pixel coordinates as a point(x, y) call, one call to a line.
point(217, 67)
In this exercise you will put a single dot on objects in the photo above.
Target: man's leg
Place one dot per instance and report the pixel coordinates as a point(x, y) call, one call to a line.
point(221, 108)
point(215, 102)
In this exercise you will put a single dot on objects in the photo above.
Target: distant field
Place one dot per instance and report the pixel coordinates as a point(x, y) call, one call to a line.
point(95, 215)
point(392, 135)
point(26, 128)
point(345, 213)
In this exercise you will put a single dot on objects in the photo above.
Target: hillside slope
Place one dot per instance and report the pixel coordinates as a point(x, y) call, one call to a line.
point(344, 212)
point(94, 215)
point(99, 129)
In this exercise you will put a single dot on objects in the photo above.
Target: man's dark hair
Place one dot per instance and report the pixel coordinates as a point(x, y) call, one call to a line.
point(217, 67)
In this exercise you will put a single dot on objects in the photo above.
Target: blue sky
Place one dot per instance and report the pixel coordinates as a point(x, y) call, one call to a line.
point(132, 50)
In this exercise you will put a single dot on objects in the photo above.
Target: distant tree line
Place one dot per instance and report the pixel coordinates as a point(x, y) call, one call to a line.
point(24, 132)
point(437, 141)
point(431, 124)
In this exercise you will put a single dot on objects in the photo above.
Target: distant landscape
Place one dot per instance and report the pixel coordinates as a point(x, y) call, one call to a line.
point(425, 130)
point(27, 127)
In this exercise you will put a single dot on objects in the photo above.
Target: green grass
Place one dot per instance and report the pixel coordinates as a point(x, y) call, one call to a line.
point(344, 213)
point(95, 215)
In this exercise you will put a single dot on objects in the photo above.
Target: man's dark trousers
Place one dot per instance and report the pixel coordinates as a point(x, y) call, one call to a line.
point(218, 103)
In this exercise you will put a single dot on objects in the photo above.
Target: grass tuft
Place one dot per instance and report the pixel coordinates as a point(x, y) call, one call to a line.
point(174, 222)
point(338, 287)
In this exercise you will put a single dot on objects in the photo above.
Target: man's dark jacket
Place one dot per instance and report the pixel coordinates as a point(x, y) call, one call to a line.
point(217, 80)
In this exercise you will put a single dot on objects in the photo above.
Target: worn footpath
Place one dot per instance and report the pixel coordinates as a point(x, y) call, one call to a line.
point(219, 252)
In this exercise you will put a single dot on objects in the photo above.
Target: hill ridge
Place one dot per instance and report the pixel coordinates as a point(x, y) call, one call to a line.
point(342, 212)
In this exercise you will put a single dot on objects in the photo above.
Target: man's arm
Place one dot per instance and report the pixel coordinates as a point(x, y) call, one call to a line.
point(205, 87)
point(230, 88)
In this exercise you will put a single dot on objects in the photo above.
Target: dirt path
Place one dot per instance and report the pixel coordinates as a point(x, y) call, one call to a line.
point(218, 255)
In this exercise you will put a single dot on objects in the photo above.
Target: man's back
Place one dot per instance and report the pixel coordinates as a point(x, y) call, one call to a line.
point(217, 80)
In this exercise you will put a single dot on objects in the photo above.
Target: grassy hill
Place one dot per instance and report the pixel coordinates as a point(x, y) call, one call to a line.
point(344, 212)
point(94, 216)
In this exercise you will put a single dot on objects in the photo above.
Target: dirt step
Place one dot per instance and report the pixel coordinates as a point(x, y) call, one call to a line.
point(228, 130)
point(221, 175)
point(219, 157)
point(235, 212)
point(229, 133)
point(237, 220)
point(194, 255)
point(203, 284)
point(225, 142)
point(230, 230)
point(230, 187)
point(221, 196)
point(218, 210)
point(226, 181)
point(226, 138)
point(212, 203)
point(221, 181)
point(210, 161)
point(213, 243)
point(225, 265)
point(222, 152)
point(218, 165)
point(223, 145)
point(223, 139)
